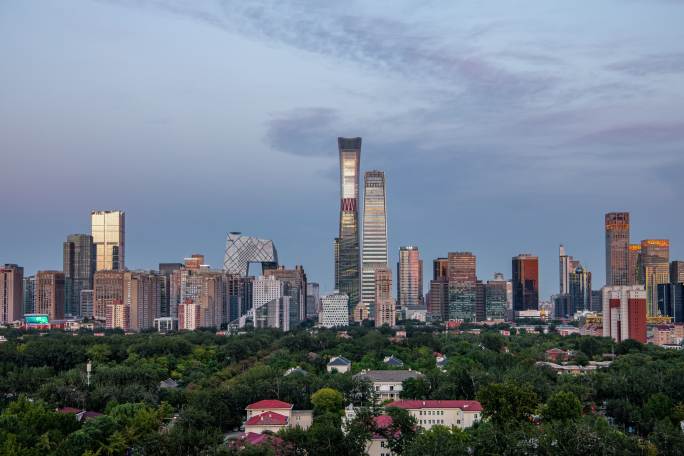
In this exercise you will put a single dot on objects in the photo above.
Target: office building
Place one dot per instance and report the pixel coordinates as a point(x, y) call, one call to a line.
point(677, 272)
point(385, 308)
point(49, 294)
point(374, 251)
point(294, 282)
point(525, 279)
point(634, 264)
point(438, 294)
point(624, 312)
point(655, 270)
point(409, 278)
point(348, 259)
point(142, 296)
point(108, 229)
point(495, 296)
point(238, 297)
point(313, 299)
point(334, 310)
point(29, 294)
point(617, 248)
point(564, 269)
point(108, 289)
point(79, 268)
point(463, 288)
point(242, 250)
point(165, 270)
point(86, 303)
point(11, 293)
point(580, 290)
point(671, 301)
point(201, 290)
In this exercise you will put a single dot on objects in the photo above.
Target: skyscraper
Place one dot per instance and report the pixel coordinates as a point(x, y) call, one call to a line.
point(409, 278)
point(385, 309)
point(11, 293)
point(313, 299)
point(29, 293)
point(438, 296)
point(166, 269)
point(564, 270)
point(108, 290)
point(294, 281)
point(143, 298)
point(655, 270)
point(624, 313)
point(463, 287)
point(108, 229)
point(525, 280)
point(334, 310)
point(348, 257)
point(617, 248)
point(580, 290)
point(677, 271)
point(79, 268)
point(49, 294)
point(495, 297)
point(634, 264)
point(374, 251)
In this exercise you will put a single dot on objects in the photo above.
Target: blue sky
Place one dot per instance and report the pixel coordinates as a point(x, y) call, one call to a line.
point(503, 127)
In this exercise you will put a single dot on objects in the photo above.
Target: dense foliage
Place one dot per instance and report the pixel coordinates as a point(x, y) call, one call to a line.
point(633, 407)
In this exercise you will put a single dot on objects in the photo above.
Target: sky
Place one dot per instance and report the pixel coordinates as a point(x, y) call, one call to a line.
point(502, 127)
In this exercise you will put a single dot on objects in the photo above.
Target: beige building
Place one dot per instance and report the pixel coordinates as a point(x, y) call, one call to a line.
point(387, 384)
point(274, 415)
point(339, 364)
point(108, 288)
point(142, 297)
point(385, 312)
point(655, 270)
point(49, 294)
point(118, 315)
point(11, 293)
point(108, 229)
point(449, 413)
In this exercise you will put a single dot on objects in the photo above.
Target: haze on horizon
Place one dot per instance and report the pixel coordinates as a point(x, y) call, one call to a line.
point(500, 129)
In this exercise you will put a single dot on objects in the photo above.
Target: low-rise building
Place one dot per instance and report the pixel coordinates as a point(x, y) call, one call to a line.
point(273, 415)
point(449, 413)
point(339, 364)
point(387, 384)
point(378, 445)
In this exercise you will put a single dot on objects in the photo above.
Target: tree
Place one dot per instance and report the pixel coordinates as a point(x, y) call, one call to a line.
point(504, 402)
point(437, 441)
point(562, 406)
point(401, 432)
point(327, 400)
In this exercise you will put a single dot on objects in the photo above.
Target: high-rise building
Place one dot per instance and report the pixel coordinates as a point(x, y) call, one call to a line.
point(348, 257)
point(117, 315)
point(165, 271)
point(49, 294)
point(438, 296)
point(463, 288)
point(336, 254)
point(294, 281)
point(334, 310)
point(617, 248)
point(385, 308)
point(677, 272)
point(142, 297)
point(195, 283)
point(79, 268)
point(624, 312)
point(108, 229)
point(11, 293)
point(271, 304)
point(655, 270)
point(671, 301)
point(189, 316)
point(634, 264)
point(580, 290)
point(242, 250)
point(29, 294)
point(409, 278)
point(374, 251)
point(108, 289)
point(525, 280)
point(564, 269)
point(86, 303)
point(238, 296)
point(313, 299)
point(495, 291)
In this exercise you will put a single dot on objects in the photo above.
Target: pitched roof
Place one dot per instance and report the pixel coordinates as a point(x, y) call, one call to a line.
point(68, 410)
point(269, 404)
point(466, 406)
point(267, 419)
point(339, 361)
point(393, 361)
point(388, 375)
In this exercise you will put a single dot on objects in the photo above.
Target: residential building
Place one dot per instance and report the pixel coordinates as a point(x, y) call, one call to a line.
point(195, 283)
point(86, 303)
point(108, 229)
point(525, 280)
point(79, 268)
point(655, 270)
point(409, 278)
point(189, 316)
point(339, 364)
point(294, 281)
point(348, 258)
point(374, 248)
point(273, 415)
point(617, 248)
point(387, 384)
point(49, 294)
point(118, 315)
point(165, 271)
point(108, 288)
point(624, 312)
point(448, 413)
point(11, 293)
point(334, 310)
point(142, 296)
point(385, 308)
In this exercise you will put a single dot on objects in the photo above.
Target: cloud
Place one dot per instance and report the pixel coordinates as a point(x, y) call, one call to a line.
point(639, 135)
point(305, 132)
point(652, 64)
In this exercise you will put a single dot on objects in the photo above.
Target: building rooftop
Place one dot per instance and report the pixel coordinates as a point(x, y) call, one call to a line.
point(269, 404)
point(339, 361)
point(466, 406)
point(393, 361)
point(388, 375)
point(267, 419)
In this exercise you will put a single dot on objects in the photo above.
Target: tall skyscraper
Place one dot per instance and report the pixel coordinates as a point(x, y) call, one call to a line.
point(495, 298)
point(564, 270)
point(525, 280)
point(438, 296)
point(634, 264)
point(294, 281)
point(624, 313)
point(580, 290)
point(29, 294)
point(385, 309)
point(79, 268)
point(655, 269)
point(11, 293)
point(108, 290)
point(617, 248)
point(49, 294)
point(313, 299)
point(142, 296)
point(166, 269)
point(409, 278)
point(349, 255)
point(108, 229)
point(374, 251)
point(677, 271)
point(463, 287)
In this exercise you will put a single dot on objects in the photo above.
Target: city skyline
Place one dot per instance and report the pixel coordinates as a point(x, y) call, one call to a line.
point(499, 145)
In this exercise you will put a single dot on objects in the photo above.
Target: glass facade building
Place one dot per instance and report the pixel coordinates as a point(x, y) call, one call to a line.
point(617, 248)
point(655, 270)
point(108, 229)
point(463, 287)
point(525, 280)
point(79, 268)
point(348, 259)
point(243, 250)
point(409, 278)
point(374, 251)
